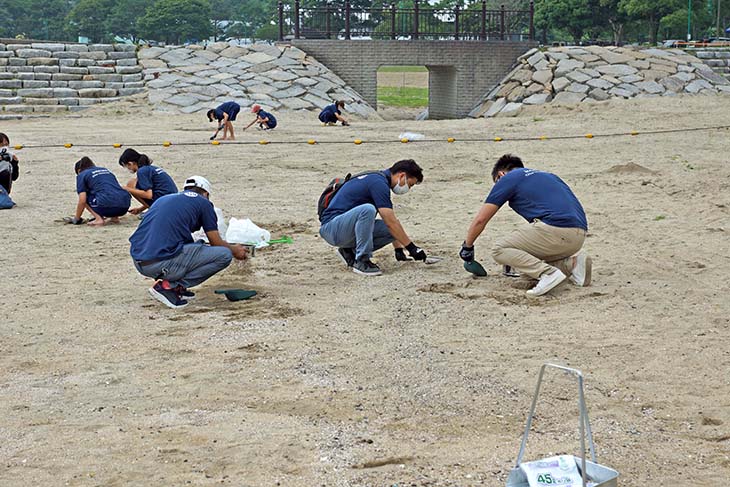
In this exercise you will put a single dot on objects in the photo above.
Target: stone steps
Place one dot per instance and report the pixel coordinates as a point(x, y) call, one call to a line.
point(718, 59)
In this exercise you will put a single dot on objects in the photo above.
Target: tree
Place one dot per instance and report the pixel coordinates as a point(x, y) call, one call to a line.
point(89, 19)
point(35, 19)
point(177, 21)
point(124, 18)
point(575, 16)
point(651, 11)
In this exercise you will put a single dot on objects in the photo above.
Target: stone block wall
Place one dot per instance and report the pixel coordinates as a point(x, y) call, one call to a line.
point(478, 66)
point(56, 77)
point(716, 58)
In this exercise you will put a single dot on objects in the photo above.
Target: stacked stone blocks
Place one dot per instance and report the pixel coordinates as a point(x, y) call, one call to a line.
point(56, 77)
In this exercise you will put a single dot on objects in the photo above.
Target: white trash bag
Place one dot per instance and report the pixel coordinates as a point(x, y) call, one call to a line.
point(222, 227)
point(410, 136)
point(247, 232)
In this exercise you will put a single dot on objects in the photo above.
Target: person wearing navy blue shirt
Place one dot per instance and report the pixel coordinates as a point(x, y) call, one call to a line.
point(548, 247)
point(331, 114)
point(99, 193)
point(225, 114)
point(349, 222)
point(151, 182)
point(162, 247)
point(266, 120)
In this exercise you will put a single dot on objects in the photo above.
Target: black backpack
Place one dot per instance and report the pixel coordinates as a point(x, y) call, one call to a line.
point(333, 187)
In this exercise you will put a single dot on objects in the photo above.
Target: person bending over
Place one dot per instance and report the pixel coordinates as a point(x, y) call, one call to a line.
point(9, 172)
point(225, 114)
point(331, 114)
point(99, 193)
point(266, 120)
point(349, 221)
point(162, 247)
point(547, 247)
point(151, 182)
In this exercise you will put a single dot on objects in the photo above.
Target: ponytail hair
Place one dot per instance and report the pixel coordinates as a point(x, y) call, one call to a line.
point(83, 164)
point(131, 155)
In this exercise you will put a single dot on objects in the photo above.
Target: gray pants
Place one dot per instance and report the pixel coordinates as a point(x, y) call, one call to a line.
point(196, 263)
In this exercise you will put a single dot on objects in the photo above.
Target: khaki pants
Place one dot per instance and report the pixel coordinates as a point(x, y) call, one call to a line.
point(537, 247)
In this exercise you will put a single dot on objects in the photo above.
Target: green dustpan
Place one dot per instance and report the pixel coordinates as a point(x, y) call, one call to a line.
point(236, 294)
point(475, 268)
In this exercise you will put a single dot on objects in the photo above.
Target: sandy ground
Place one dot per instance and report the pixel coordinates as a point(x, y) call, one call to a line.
point(423, 376)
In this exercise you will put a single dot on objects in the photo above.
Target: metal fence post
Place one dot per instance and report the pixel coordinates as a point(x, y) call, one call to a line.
point(532, 20)
point(327, 27)
point(392, 21)
point(456, 22)
point(281, 21)
point(415, 19)
point(484, 20)
point(296, 19)
point(501, 26)
point(347, 19)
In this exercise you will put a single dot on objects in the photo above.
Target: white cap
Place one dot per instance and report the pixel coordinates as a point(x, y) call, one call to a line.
point(197, 182)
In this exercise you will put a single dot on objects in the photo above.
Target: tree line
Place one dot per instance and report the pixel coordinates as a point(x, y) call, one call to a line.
point(178, 21)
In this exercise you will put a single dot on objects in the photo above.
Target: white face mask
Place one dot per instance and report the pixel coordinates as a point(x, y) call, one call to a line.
point(401, 189)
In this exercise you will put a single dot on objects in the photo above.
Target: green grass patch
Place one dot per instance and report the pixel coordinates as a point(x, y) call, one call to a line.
point(402, 69)
point(394, 96)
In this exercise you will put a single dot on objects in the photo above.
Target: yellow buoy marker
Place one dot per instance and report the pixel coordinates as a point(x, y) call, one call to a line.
point(215, 142)
point(543, 137)
point(498, 139)
point(311, 142)
point(18, 147)
point(263, 142)
point(589, 136)
point(166, 143)
point(450, 140)
point(116, 146)
point(404, 140)
point(358, 141)
point(68, 146)
point(634, 132)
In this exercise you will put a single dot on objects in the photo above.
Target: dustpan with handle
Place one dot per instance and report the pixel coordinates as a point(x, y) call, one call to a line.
point(593, 474)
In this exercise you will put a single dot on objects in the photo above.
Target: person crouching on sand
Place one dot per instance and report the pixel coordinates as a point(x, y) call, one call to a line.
point(151, 182)
point(331, 114)
point(547, 247)
point(99, 193)
point(266, 120)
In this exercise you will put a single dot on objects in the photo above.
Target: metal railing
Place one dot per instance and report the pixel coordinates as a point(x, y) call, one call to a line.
point(342, 21)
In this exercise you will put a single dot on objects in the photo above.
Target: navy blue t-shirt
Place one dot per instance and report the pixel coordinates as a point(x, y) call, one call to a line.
point(371, 188)
point(230, 107)
point(542, 195)
point(169, 224)
point(102, 188)
point(156, 179)
point(272, 119)
point(327, 115)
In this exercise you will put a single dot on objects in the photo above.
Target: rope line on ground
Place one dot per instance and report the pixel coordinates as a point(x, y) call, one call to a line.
point(376, 141)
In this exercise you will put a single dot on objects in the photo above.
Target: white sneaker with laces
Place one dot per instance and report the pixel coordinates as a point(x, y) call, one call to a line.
point(546, 283)
point(582, 267)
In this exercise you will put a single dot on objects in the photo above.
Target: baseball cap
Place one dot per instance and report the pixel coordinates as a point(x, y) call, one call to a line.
point(255, 108)
point(197, 182)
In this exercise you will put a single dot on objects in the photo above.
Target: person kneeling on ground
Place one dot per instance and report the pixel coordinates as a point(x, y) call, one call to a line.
point(225, 114)
point(266, 120)
point(9, 172)
point(162, 247)
point(547, 248)
point(349, 221)
point(331, 114)
point(100, 193)
point(151, 182)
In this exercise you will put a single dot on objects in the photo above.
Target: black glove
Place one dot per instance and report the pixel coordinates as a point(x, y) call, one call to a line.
point(416, 252)
point(401, 255)
point(466, 253)
point(212, 137)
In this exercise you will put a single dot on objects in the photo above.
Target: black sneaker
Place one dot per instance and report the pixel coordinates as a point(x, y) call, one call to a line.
point(347, 256)
point(185, 293)
point(366, 267)
point(168, 297)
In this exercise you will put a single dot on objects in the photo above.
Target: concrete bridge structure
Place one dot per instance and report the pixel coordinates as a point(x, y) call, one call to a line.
point(460, 72)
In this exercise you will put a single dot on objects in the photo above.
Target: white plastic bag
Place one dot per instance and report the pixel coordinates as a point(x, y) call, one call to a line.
point(222, 227)
point(560, 470)
point(246, 232)
point(411, 136)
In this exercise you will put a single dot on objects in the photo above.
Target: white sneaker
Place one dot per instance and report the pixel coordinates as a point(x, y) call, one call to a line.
point(546, 283)
point(581, 274)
